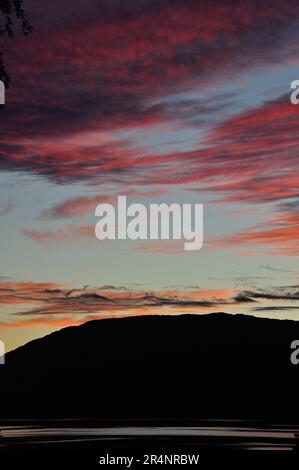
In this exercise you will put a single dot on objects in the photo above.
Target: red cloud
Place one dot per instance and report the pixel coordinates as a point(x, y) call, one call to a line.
point(102, 71)
point(280, 237)
point(67, 233)
point(251, 158)
point(112, 69)
point(84, 205)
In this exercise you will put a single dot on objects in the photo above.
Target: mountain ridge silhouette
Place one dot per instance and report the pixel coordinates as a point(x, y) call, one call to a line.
point(157, 366)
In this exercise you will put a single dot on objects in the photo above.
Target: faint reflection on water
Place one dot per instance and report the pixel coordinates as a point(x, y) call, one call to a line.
point(249, 437)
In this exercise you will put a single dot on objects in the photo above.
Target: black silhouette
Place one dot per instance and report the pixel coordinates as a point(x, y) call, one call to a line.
point(9, 10)
point(170, 367)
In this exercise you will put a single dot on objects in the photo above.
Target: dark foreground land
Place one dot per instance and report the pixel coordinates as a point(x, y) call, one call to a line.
point(220, 386)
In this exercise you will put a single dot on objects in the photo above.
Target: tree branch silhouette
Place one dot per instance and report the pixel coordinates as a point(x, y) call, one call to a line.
point(11, 10)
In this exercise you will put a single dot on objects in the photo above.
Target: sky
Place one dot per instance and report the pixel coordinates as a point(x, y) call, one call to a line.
point(161, 101)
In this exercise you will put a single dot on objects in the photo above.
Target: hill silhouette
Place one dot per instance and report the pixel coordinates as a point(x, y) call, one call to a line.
point(157, 367)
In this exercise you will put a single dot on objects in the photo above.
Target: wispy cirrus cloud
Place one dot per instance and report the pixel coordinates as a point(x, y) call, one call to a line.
point(84, 205)
point(240, 160)
point(114, 69)
point(61, 304)
point(39, 299)
point(65, 234)
point(279, 236)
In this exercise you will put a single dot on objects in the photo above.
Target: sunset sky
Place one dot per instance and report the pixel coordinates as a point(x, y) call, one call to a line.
point(161, 101)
